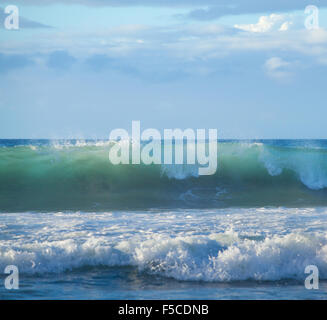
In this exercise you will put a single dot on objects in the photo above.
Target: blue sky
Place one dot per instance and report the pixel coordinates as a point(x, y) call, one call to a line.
point(80, 68)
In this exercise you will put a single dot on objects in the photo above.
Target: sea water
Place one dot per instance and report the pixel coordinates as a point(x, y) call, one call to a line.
point(78, 227)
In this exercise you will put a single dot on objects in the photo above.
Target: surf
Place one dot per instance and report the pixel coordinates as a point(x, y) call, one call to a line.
point(220, 245)
point(47, 175)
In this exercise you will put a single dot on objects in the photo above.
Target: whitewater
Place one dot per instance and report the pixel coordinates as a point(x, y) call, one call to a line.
point(78, 227)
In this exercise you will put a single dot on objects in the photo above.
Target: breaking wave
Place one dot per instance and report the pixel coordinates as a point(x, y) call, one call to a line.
point(218, 257)
point(69, 175)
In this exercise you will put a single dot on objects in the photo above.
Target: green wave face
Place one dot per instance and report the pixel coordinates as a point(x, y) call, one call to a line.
point(81, 177)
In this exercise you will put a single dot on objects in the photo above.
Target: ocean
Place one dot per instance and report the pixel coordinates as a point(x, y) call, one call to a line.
point(78, 227)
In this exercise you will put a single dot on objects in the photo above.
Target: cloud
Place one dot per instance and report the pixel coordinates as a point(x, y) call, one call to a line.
point(237, 7)
point(208, 9)
point(278, 68)
point(162, 53)
point(267, 23)
point(150, 47)
point(23, 22)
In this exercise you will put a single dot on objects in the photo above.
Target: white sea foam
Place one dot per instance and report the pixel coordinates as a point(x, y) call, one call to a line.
point(310, 166)
point(180, 172)
point(219, 245)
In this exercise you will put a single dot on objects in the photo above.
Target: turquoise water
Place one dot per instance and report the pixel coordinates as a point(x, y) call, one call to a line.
point(77, 175)
point(78, 227)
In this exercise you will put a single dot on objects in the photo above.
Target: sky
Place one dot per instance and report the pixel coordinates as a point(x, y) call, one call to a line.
point(81, 68)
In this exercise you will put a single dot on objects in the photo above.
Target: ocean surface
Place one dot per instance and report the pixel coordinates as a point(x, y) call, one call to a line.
point(78, 227)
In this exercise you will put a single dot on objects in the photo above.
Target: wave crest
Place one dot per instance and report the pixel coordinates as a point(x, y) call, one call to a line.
point(80, 177)
point(218, 257)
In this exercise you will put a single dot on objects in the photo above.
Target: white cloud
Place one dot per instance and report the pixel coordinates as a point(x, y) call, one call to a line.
point(179, 41)
point(148, 47)
point(285, 26)
point(316, 36)
point(278, 68)
point(276, 63)
point(267, 23)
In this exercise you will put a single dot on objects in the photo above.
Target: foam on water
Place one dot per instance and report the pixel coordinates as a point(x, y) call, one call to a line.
point(217, 245)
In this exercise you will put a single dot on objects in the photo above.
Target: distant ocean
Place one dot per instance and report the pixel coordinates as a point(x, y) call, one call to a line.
point(78, 227)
